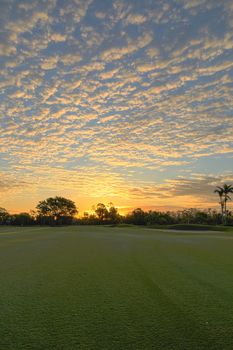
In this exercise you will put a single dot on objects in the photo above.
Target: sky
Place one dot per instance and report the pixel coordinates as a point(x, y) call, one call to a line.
point(123, 101)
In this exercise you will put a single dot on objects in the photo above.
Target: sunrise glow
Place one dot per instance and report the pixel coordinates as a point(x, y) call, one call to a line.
point(118, 101)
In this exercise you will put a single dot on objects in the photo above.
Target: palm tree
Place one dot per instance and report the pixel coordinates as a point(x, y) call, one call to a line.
point(223, 193)
point(226, 190)
point(219, 191)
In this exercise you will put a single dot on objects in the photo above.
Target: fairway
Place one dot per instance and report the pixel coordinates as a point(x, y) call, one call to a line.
point(102, 288)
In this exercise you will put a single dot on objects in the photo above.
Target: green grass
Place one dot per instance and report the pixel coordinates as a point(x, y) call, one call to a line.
point(197, 227)
point(115, 288)
point(192, 227)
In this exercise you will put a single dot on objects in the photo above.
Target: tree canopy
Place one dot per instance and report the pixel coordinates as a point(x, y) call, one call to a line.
point(57, 207)
point(3, 215)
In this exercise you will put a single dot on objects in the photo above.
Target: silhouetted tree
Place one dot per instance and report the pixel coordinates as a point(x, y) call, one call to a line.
point(159, 218)
point(223, 193)
point(113, 214)
point(101, 211)
point(59, 209)
point(137, 217)
point(219, 191)
point(227, 189)
point(4, 216)
point(22, 219)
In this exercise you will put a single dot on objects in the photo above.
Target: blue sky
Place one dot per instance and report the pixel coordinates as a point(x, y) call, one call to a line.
point(121, 101)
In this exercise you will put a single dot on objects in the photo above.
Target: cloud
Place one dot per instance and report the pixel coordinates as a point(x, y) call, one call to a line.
point(209, 70)
point(153, 52)
point(194, 3)
point(108, 74)
point(7, 50)
point(10, 183)
point(70, 59)
point(196, 191)
point(17, 94)
point(27, 24)
point(136, 19)
point(100, 15)
point(58, 37)
point(49, 62)
point(116, 53)
point(76, 10)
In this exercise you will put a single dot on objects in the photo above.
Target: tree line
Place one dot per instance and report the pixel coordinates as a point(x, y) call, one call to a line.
point(62, 211)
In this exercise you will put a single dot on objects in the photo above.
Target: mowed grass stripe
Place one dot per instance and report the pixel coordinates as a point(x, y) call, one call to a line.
point(115, 288)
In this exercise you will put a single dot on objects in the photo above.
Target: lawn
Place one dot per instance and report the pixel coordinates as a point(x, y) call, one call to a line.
point(115, 288)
